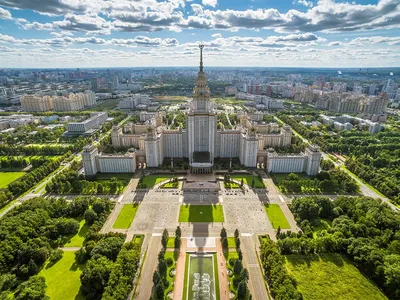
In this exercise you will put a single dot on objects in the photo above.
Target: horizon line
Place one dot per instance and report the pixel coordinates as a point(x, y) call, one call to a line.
point(196, 66)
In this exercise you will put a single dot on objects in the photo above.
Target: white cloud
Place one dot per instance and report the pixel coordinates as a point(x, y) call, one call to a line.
point(212, 3)
point(216, 35)
point(5, 14)
point(197, 9)
point(306, 3)
point(335, 43)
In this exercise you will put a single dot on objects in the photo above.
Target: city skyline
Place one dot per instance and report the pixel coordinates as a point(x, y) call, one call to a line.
point(150, 33)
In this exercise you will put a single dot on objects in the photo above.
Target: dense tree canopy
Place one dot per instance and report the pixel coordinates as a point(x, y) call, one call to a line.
point(365, 229)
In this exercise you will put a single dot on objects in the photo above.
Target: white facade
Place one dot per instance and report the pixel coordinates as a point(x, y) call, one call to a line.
point(308, 162)
point(93, 162)
point(95, 120)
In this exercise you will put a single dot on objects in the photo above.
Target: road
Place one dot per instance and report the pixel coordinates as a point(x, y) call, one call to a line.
point(145, 283)
point(256, 283)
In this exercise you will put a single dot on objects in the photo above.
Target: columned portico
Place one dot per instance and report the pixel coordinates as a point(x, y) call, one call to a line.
point(202, 170)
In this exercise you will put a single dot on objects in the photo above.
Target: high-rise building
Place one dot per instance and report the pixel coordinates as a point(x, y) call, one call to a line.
point(33, 103)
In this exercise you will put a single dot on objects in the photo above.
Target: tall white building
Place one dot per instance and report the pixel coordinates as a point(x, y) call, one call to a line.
point(201, 143)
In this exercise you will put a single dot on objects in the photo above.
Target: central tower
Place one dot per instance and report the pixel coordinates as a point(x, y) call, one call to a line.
point(201, 125)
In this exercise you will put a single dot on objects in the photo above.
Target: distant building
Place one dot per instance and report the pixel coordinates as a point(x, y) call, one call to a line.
point(353, 103)
point(87, 127)
point(74, 102)
point(261, 102)
point(254, 89)
point(137, 101)
point(33, 103)
point(231, 90)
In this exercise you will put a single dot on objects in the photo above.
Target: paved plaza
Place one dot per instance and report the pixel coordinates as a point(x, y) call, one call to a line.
point(159, 209)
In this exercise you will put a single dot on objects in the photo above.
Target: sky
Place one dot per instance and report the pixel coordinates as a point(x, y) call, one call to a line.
point(146, 33)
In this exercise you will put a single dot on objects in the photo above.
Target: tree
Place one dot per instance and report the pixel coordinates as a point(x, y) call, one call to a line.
point(160, 291)
point(293, 176)
point(162, 268)
point(242, 290)
point(223, 233)
point(81, 256)
point(90, 216)
point(8, 281)
point(95, 276)
point(177, 242)
point(32, 289)
point(237, 242)
point(225, 243)
point(178, 231)
point(237, 267)
point(278, 231)
point(244, 275)
point(164, 238)
point(78, 206)
point(156, 277)
point(108, 247)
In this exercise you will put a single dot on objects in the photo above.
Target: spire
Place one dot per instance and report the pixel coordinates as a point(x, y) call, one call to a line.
point(201, 46)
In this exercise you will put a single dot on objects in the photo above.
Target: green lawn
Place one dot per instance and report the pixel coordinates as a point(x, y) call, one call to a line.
point(330, 276)
point(231, 185)
point(171, 242)
point(202, 265)
point(170, 185)
point(276, 216)
point(126, 216)
point(201, 213)
point(247, 179)
point(152, 180)
point(7, 177)
point(231, 242)
point(77, 239)
point(62, 278)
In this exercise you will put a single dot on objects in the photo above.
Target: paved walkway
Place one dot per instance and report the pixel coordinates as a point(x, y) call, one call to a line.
point(70, 249)
point(145, 283)
point(256, 283)
point(180, 272)
point(222, 274)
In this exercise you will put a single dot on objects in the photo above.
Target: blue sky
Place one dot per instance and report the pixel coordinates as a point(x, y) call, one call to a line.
point(104, 33)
